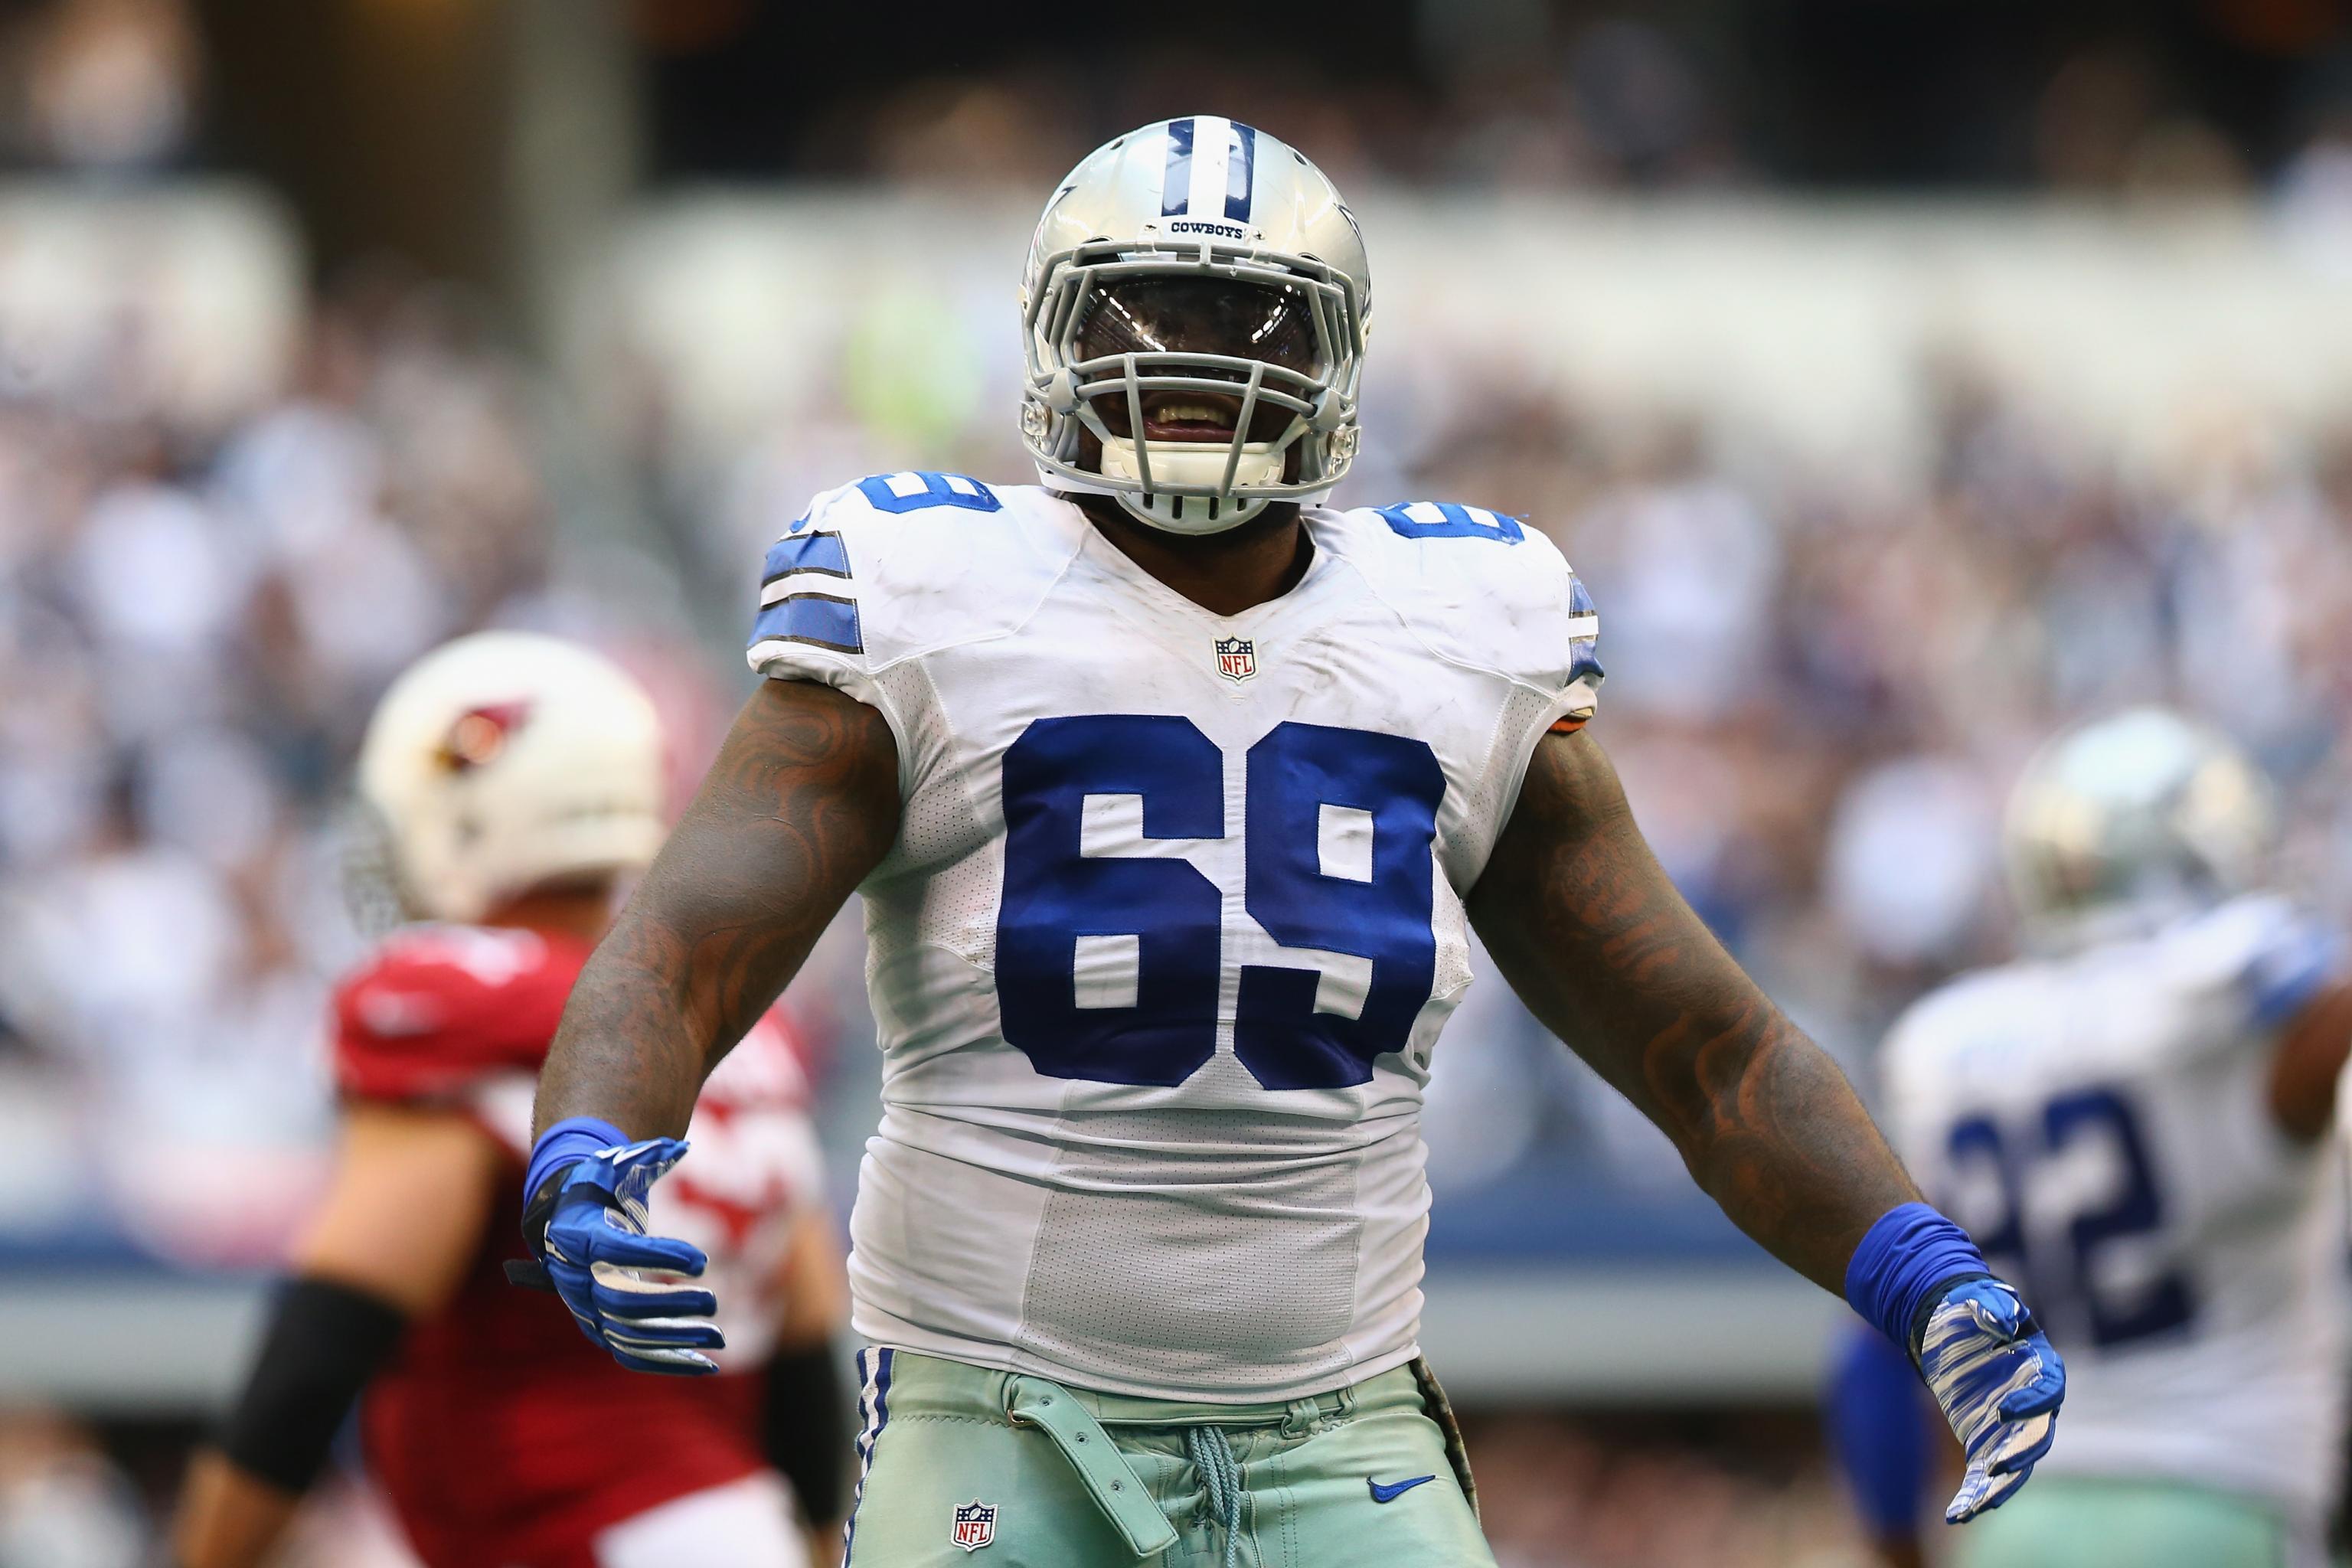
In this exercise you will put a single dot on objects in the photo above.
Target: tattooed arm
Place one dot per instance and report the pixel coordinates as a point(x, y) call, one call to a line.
point(1597, 941)
point(801, 803)
point(1593, 937)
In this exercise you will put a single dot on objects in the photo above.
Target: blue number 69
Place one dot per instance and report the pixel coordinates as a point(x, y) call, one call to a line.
point(1337, 861)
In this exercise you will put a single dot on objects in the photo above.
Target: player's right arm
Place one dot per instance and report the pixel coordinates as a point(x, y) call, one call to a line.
point(405, 1207)
point(2308, 1066)
point(801, 805)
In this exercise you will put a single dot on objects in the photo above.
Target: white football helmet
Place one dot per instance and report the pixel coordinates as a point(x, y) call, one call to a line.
point(1195, 217)
point(505, 760)
point(2132, 818)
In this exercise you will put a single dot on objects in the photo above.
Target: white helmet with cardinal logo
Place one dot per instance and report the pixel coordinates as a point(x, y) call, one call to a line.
point(505, 762)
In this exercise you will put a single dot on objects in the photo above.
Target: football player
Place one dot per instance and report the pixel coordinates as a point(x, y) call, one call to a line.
point(2133, 1121)
point(1174, 794)
point(518, 777)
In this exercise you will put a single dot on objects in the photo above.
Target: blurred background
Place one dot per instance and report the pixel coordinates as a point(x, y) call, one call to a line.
point(1905, 381)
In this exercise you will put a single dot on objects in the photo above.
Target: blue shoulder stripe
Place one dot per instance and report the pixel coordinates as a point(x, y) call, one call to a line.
point(819, 553)
point(2295, 966)
point(821, 620)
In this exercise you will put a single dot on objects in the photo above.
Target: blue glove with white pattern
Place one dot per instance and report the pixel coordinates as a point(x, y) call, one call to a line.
point(2000, 1384)
point(586, 1223)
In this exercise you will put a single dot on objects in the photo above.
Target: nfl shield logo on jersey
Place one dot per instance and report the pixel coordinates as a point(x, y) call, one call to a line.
point(975, 1524)
point(1236, 658)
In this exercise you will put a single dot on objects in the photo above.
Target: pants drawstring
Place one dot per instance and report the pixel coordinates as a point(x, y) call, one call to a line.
point(1220, 1479)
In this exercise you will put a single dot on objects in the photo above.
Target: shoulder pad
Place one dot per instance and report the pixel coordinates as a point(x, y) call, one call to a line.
point(441, 1007)
point(1482, 588)
point(2260, 956)
point(882, 568)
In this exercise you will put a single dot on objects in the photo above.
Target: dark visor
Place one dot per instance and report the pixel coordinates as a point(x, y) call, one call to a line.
point(1202, 315)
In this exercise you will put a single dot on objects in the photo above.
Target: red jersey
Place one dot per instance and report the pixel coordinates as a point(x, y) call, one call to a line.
point(501, 1436)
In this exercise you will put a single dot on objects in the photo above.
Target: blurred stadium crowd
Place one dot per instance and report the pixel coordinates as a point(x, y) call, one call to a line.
point(1543, 95)
point(2216, 97)
point(1614, 102)
point(196, 621)
point(1820, 683)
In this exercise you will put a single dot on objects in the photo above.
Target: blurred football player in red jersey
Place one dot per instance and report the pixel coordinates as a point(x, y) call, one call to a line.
point(517, 778)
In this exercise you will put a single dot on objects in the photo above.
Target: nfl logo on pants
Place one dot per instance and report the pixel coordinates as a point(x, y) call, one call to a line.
point(975, 1524)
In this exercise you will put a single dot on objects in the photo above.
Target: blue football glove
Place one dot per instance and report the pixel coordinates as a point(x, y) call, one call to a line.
point(1987, 1365)
point(586, 1225)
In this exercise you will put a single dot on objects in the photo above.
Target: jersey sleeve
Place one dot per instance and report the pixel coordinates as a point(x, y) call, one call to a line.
point(2299, 958)
point(1485, 591)
point(812, 623)
point(873, 576)
point(2251, 966)
point(436, 1015)
point(1492, 593)
point(1580, 628)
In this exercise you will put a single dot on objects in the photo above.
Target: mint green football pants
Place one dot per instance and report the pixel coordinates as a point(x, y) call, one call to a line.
point(963, 1466)
point(2073, 1521)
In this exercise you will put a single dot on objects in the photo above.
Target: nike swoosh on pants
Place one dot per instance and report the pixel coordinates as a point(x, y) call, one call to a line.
point(1391, 1493)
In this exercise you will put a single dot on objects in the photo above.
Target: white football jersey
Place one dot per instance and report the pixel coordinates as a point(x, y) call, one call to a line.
point(2100, 1125)
point(1172, 920)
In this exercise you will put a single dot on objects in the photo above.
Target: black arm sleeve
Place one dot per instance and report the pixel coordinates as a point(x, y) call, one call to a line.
point(324, 1342)
point(808, 1438)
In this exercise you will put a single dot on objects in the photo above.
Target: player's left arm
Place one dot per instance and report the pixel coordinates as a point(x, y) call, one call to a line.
point(403, 1218)
point(1589, 932)
point(806, 1428)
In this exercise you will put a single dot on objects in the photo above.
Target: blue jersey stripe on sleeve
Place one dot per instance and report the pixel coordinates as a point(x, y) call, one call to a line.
point(2292, 969)
point(821, 620)
point(818, 552)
